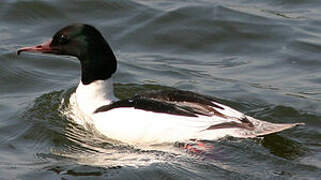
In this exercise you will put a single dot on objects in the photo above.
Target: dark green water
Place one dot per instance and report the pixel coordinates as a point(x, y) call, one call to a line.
point(261, 57)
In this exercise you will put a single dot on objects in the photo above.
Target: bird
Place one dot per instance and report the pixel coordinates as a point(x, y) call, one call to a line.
point(147, 118)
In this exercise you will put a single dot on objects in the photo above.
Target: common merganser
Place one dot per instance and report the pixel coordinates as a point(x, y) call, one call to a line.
point(149, 118)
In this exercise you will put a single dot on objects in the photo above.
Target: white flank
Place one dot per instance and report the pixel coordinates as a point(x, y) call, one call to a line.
point(140, 127)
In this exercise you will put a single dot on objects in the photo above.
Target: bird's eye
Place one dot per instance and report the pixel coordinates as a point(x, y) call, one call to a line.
point(63, 39)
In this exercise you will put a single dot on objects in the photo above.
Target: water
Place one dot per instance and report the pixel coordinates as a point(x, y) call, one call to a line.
point(261, 57)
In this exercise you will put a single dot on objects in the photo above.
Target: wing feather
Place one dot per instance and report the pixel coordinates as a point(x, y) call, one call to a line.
point(177, 102)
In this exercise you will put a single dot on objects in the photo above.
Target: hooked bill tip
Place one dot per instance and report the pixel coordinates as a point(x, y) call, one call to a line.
point(19, 51)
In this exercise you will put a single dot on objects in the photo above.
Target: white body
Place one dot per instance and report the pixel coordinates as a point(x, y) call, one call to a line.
point(140, 127)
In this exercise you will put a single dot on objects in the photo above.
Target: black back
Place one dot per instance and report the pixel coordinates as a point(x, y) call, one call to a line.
point(176, 102)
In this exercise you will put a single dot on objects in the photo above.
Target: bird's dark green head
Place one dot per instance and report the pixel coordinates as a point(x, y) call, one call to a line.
point(85, 42)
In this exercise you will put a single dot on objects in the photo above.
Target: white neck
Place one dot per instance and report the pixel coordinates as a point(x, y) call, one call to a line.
point(94, 95)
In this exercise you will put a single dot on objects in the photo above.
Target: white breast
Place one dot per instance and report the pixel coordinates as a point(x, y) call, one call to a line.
point(94, 95)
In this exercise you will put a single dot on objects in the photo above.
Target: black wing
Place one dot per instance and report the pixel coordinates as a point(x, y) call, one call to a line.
point(143, 103)
point(176, 102)
point(176, 96)
point(184, 103)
